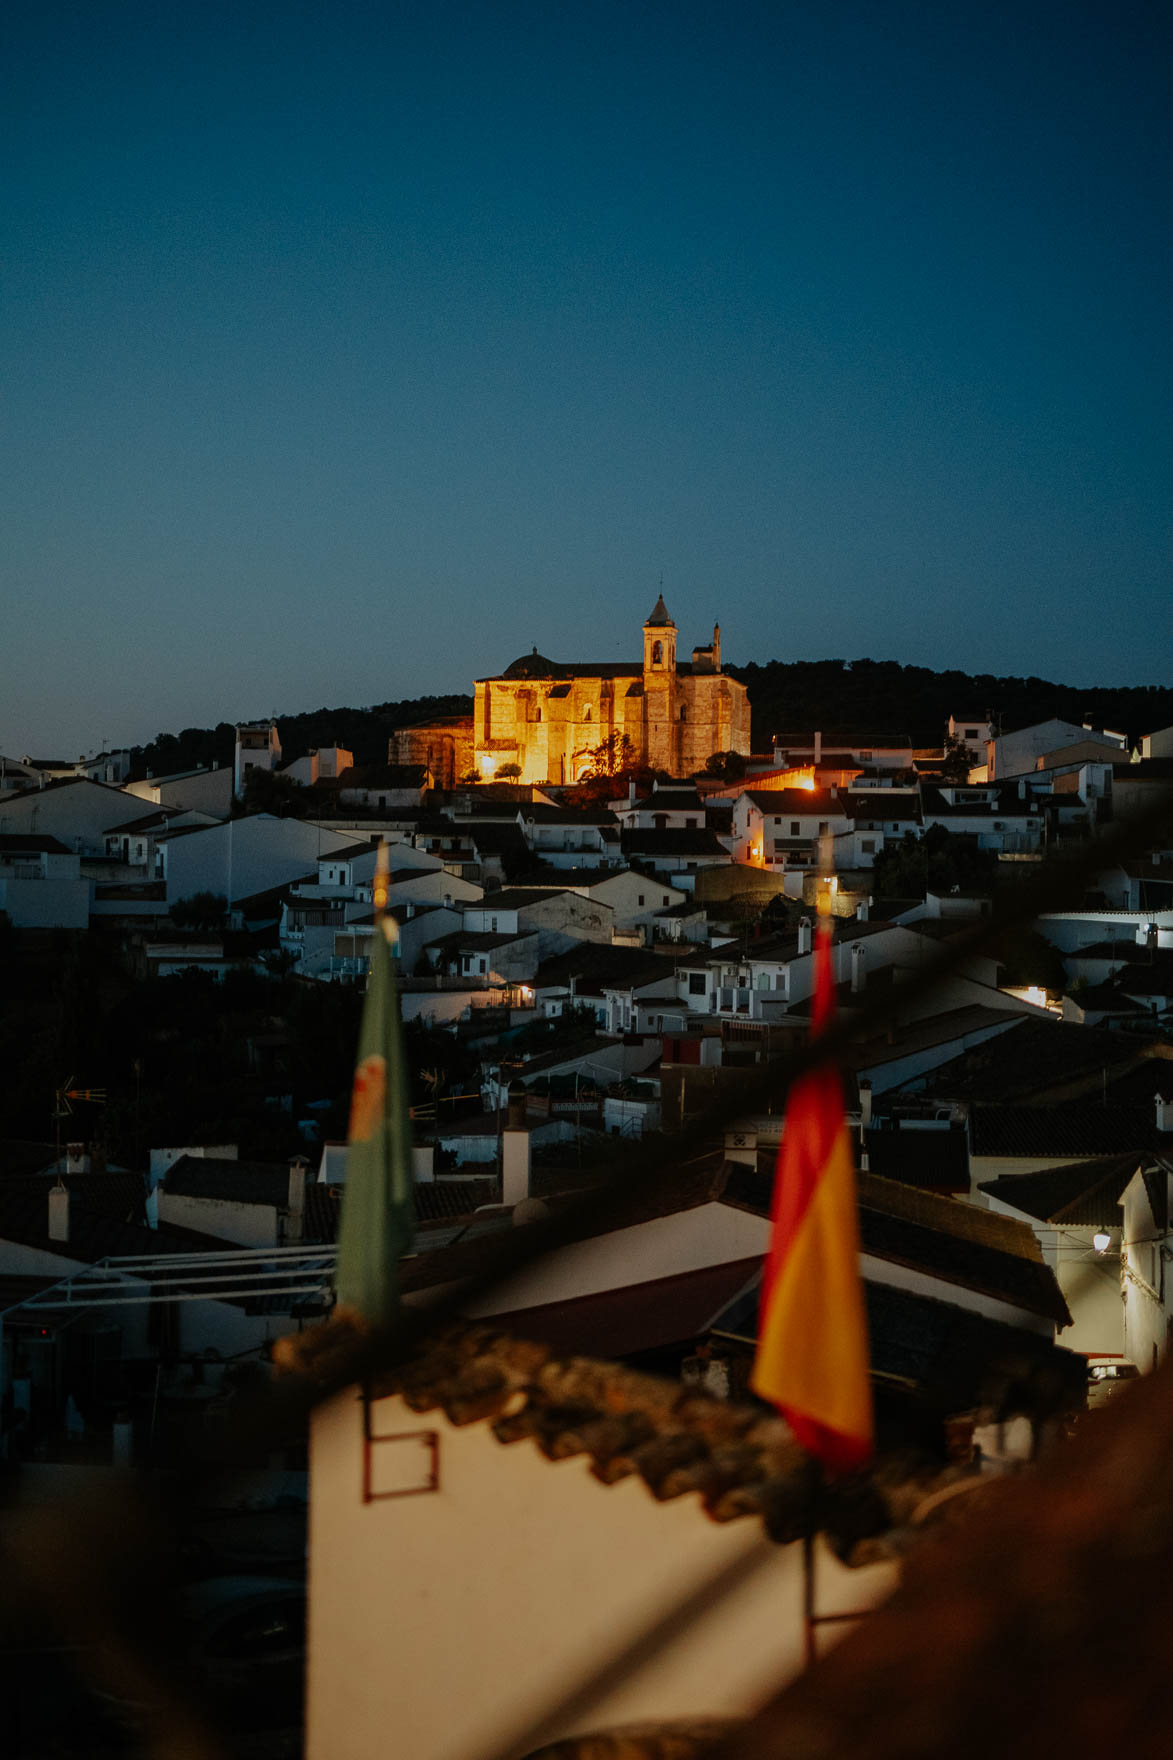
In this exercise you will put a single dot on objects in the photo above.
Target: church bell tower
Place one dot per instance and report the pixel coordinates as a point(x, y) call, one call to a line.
point(659, 644)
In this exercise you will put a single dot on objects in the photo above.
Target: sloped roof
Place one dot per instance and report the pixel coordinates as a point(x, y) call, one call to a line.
point(34, 842)
point(238, 1182)
point(93, 1233)
point(689, 841)
point(1086, 1193)
point(739, 1458)
point(1034, 1056)
point(1080, 1130)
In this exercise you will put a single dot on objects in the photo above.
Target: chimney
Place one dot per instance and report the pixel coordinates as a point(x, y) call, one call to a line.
point(818, 748)
point(76, 1159)
point(865, 1102)
point(59, 1212)
point(631, 794)
point(804, 934)
point(515, 1149)
point(859, 975)
point(1164, 1113)
point(861, 910)
point(742, 1146)
point(295, 1221)
point(423, 1163)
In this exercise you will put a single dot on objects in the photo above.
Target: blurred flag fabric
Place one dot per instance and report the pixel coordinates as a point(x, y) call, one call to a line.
point(812, 1353)
point(377, 1225)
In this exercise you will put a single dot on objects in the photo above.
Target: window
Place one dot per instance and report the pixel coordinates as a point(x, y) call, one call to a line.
point(639, 898)
point(795, 829)
point(764, 981)
point(657, 653)
point(697, 983)
point(823, 827)
point(971, 733)
point(586, 714)
point(868, 846)
point(665, 899)
point(683, 712)
point(865, 757)
point(693, 824)
point(481, 966)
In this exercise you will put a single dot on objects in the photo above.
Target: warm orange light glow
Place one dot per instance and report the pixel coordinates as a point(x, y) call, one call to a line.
point(486, 764)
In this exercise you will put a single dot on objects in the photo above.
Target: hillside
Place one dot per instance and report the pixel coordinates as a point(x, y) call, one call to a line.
point(839, 697)
point(874, 697)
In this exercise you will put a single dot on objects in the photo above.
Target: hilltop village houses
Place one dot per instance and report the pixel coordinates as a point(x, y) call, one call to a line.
point(606, 899)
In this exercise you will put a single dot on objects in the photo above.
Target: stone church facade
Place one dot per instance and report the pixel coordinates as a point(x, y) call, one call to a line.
point(547, 717)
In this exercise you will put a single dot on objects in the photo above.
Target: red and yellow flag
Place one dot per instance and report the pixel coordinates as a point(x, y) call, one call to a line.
point(812, 1355)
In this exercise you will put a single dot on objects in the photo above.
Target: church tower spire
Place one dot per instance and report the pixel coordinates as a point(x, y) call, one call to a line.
point(659, 642)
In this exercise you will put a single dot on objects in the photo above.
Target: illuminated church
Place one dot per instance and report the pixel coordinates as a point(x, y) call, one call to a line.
point(547, 717)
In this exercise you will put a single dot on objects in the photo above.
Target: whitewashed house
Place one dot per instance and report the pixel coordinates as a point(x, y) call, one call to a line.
point(41, 884)
point(244, 856)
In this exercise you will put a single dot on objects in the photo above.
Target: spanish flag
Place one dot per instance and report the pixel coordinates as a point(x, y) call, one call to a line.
point(812, 1355)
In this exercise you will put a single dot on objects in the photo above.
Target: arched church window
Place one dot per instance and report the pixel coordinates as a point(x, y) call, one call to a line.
point(684, 711)
point(586, 714)
point(657, 653)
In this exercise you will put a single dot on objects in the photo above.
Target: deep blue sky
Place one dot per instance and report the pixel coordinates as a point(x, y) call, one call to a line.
point(349, 349)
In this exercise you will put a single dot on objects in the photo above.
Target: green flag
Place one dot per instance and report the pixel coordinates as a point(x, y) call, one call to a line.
point(378, 1217)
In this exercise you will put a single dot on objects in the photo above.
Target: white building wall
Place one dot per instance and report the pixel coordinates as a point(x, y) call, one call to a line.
point(78, 814)
point(532, 1573)
point(46, 904)
point(249, 1225)
point(245, 856)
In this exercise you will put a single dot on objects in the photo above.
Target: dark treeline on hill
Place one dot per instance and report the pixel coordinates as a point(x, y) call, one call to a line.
point(361, 731)
point(875, 697)
point(852, 698)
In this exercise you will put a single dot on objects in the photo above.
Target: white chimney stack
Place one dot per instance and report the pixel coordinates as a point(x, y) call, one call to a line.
point(865, 1102)
point(742, 1146)
point(859, 975)
point(1164, 1113)
point(295, 1221)
point(818, 748)
point(804, 934)
point(515, 1150)
point(423, 1163)
point(58, 1213)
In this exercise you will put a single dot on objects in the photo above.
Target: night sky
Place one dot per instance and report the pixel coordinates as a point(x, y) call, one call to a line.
point(349, 350)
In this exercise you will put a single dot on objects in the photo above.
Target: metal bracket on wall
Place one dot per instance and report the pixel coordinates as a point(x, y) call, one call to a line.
point(429, 1479)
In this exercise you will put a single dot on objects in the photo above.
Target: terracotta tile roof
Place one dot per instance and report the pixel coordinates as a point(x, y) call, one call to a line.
point(619, 1323)
point(1080, 1130)
point(34, 842)
point(240, 1182)
point(699, 841)
point(937, 1160)
point(740, 1460)
point(93, 1233)
point(1085, 1193)
point(1033, 1057)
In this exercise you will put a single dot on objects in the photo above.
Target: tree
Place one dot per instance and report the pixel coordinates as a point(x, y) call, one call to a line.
point(201, 910)
point(960, 759)
point(938, 861)
point(611, 757)
point(509, 772)
point(729, 766)
point(266, 791)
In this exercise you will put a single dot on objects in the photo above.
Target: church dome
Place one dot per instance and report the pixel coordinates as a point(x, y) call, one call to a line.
point(533, 665)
